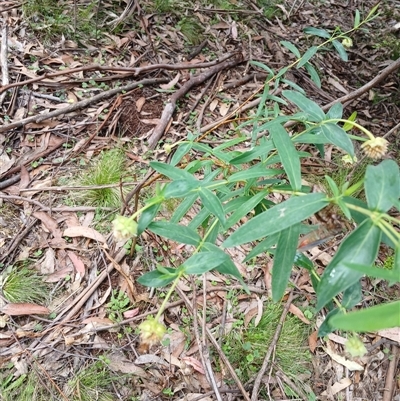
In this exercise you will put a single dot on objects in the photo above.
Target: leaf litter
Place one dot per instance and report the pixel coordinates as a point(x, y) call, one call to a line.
point(66, 101)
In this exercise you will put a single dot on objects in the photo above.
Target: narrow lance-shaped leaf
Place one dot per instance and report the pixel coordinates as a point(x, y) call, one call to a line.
point(307, 56)
point(279, 217)
point(341, 50)
point(213, 204)
point(322, 33)
point(290, 46)
point(384, 274)
point(382, 185)
point(259, 170)
point(375, 318)
point(314, 112)
point(246, 208)
point(158, 279)
point(174, 173)
point(227, 267)
point(147, 217)
point(263, 246)
point(357, 19)
point(337, 136)
point(182, 150)
point(313, 74)
point(180, 188)
point(203, 262)
point(336, 111)
point(360, 247)
point(288, 154)
point(283, 260)
point(175, 232)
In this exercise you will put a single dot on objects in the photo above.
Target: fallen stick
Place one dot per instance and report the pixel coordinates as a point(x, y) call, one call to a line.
point(194, 81)
point(82, 104)
point(129, 70)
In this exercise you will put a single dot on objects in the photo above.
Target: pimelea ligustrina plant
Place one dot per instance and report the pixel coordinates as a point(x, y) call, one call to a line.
point(231, 184)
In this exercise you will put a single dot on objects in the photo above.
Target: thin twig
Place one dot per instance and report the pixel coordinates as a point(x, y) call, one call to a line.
point(3, 60)
point(169, 108)
point(82, 104)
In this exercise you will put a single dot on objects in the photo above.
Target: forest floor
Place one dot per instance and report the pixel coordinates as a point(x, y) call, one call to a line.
point(84, 110)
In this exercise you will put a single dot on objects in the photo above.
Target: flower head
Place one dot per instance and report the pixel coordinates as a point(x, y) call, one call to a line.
point(151, 332)
point(347, 42)
point(124, 228)
point(355, 347)
point(348, 160)
point(375, 148)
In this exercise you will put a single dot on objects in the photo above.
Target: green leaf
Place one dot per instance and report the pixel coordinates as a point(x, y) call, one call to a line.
point(337, 136)
point(307, 56)
point(213, 204)
point(341, 50)
point(263, 246)
point(276, 219)
point(182, 150)
point(227, 267)
point(314, 138)
point(147, 217)
point(203, 262)
point(183, 207)
point(375, 318)
point(283, 260)
point(293, 85)
point(288, 154)
point(357, 19)
point(360, 247)
point(326, 328)
point(175, 232)
point(336, 111)
point(256, 171)
point(258, 151)
point(322, 33)
point(314, 112)
point(382, 185)
point(352, 296)
point(291, 47)
point(384, 274)
point(180, 188)
point(174, 173)
point(332, 185)
point(313, 74)
point(263, 66)
point(303, 261)
point(281, 72)
point(348, 125)
point(157, 279)
point(245, 208)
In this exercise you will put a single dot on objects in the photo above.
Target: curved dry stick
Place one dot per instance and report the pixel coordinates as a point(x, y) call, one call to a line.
point(194, 81)
point(3, 59)
point(132, 70)
point(82, 104)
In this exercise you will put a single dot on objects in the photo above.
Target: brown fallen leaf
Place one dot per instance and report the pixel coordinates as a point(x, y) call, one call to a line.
point(77, 262)
point(297, 312)
point(20, 309)
point(87, 232)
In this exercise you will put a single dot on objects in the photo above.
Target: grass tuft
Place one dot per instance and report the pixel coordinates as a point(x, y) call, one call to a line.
point(107, 169)
point(22, 285)
point(246, 348)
